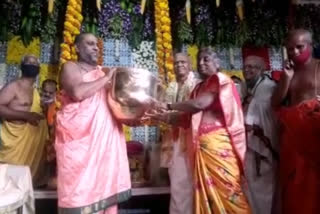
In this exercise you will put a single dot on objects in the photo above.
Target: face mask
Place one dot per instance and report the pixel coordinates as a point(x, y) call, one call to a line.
point(47, 100)
point(30, 71)
point(303, 57)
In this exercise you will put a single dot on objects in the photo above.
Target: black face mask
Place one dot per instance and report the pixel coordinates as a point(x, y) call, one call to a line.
point(30, 71)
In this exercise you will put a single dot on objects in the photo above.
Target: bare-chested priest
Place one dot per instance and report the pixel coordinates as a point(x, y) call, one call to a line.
point(300, 119)
point(23, 130)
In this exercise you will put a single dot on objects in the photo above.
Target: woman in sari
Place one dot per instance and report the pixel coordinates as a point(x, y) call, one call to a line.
point(217, 145)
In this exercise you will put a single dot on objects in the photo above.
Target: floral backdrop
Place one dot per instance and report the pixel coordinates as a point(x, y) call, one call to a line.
point(144, 34)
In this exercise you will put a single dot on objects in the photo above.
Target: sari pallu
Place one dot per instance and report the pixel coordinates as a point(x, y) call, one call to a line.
point(226, 196)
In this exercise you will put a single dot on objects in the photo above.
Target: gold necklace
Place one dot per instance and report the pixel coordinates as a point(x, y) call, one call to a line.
point(84, 68)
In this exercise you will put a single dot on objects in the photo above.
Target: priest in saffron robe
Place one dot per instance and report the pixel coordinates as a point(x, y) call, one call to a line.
point(92, 163)
point(300, 121)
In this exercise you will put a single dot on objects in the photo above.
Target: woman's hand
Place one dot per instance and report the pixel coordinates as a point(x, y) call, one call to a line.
point(157, 116)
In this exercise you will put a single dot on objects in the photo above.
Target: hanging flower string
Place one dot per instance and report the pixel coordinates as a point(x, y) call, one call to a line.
point(72, 27)
point(100, 46)
point(163, 41)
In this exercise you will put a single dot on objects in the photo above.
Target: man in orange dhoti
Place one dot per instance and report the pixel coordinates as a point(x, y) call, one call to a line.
point(50, 106)
point(217, 146)
point(93, 170)
point(300, 147)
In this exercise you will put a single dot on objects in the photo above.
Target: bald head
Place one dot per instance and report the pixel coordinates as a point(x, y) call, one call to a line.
point(299, 46)
point(30, 59)
point(305, 36)
point(86, 45)
point(80, 37)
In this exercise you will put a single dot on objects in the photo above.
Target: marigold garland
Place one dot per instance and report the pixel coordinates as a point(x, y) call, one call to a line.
point(16, 50)
point(127, 132)
point(72, 27)
point(164, 41)
point(100, 46)
point(193, 53)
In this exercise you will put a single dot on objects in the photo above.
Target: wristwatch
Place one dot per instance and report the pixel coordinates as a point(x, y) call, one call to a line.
point(169, 106)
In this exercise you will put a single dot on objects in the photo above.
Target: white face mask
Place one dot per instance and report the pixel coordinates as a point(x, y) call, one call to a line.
point(47, 101)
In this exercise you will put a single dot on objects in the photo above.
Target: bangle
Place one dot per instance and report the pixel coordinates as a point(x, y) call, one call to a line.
point(169, 106)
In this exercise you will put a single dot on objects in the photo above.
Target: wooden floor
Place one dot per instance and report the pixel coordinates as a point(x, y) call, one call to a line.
point(148, 200)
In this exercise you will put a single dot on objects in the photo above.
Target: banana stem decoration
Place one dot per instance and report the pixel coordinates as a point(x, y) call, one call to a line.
point(239, 4)
point(98, 3)
point(217, 3)
point(188, 11)
point(142, 6)
point(50, 6)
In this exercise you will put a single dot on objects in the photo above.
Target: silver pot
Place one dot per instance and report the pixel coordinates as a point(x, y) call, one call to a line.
point(131, 93)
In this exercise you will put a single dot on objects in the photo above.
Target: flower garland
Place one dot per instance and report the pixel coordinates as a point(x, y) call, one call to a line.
point(183, 31)
point(164, 40)
point(3, 69)
point(127, 132)
point(10, 17)
point(204, 30)
point(48, 31)
point(144, 56)
point(16, 50)
point(148, 26)
point(193, 53)
point(115, 22)
point(72, 27)
point(100, 46)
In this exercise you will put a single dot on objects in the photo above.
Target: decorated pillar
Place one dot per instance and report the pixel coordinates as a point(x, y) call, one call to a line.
point(164, 41)
point(72, 27)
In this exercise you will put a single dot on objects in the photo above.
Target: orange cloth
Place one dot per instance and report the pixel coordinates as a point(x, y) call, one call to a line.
point(51, 119)
point(300, 158)
point(92, 163)
point(52, 111)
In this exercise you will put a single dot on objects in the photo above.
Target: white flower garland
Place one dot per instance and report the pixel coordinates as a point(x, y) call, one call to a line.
point(145, 56)
point(3, 71)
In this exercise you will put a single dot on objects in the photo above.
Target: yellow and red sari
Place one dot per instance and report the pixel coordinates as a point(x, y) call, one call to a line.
point(217, 151)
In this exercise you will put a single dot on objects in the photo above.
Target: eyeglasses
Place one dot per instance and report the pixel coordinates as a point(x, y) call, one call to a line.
point(252, 67)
